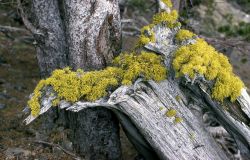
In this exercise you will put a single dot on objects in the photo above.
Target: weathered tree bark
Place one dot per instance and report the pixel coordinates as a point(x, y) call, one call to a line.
point(94, 33)
point(51, 46)
point(86, 35)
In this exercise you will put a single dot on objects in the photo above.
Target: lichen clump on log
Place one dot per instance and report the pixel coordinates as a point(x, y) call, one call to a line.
point(147, 35)
point(90, 86)
point(171, 113)
point(202, 59)
point(170, 19)
point(184, 34)
point(191, 60)
point(168, 3)
point(146, 65)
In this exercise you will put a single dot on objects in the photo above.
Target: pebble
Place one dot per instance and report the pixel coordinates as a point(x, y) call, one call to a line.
point(13, 152)
point(2, 106)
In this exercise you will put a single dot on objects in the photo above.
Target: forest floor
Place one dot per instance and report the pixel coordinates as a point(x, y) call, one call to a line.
point(19, 75)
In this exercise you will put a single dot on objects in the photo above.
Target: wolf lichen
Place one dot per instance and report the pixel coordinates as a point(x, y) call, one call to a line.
point(147, 35)
point(184, 34)
point(169, 18)
point(34, 102)
point(55, 102)
point(178, 120)
point(147, 65)
point(161, 108)
point(171, 113)
point(168, 3)
point(202, 59)
point(90, 86)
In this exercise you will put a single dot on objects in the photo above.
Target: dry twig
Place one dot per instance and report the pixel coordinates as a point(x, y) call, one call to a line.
point(60, 147)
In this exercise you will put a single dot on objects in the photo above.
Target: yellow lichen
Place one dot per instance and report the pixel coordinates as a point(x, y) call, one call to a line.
point(55, 102)
point(90, 86)
point(65, 83)
point(178, 120)
point(184, 34)
point(168, 18)
point(192, 136)
point(168, 3)
point(202, 59)
point(178, 98)
point(161, 108)
point(146, 65)
point(34, 102)
point(94, 84)
point(147, 35)
point(171, 113)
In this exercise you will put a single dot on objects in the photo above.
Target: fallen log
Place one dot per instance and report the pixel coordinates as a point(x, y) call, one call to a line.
point(165, 119)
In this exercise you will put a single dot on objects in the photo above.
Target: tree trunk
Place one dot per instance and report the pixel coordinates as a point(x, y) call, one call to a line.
point(86, 35)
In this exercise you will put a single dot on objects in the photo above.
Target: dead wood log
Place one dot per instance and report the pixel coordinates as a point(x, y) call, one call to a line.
point(145, 103)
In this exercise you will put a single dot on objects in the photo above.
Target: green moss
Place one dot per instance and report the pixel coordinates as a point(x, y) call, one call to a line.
point(240, 30)
point(184, 34)
point(90, 86)
point(178, 120)
point(168, 3)
point(167, 18)
point(171, 113)
point(202, 59)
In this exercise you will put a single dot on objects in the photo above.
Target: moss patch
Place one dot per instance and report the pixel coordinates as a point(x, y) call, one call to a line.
point(202, 59)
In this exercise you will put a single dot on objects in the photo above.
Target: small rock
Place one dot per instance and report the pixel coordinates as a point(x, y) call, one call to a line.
point(2, 81)
point(66, 144)
point(57, 151)
point(2, 106)
point(3, 95)
point(2, 60)
point(13, 152)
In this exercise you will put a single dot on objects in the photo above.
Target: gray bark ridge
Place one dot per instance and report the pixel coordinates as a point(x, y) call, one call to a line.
point(51, 45)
